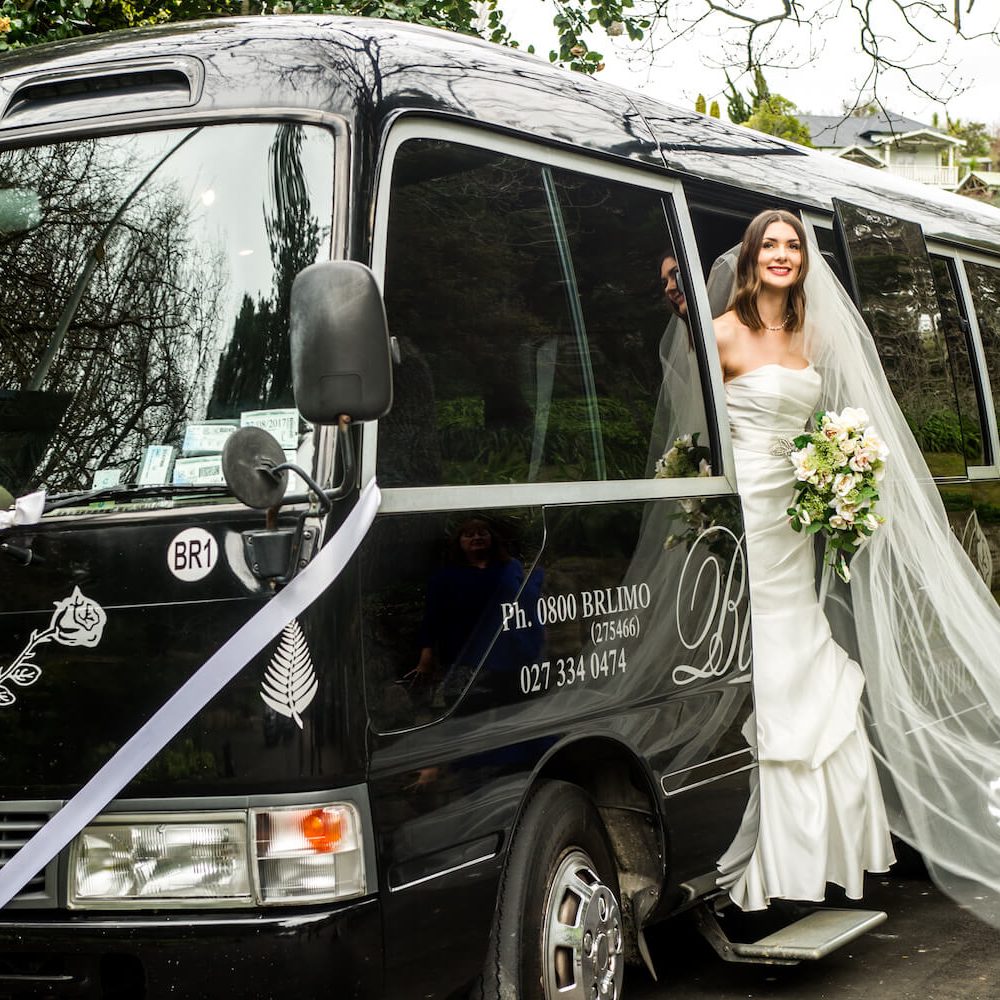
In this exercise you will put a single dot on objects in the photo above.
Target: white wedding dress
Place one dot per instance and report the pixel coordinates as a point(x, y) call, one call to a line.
point(816, 813)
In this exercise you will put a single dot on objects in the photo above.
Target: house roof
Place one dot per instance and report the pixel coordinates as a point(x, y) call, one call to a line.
point(838, 131)
point(988, 178)
point(859, 155)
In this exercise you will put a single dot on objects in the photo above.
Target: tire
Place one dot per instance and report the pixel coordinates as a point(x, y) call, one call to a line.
point(558, 930)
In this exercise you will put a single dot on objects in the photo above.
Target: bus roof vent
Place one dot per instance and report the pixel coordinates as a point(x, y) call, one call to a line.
point(108, 88)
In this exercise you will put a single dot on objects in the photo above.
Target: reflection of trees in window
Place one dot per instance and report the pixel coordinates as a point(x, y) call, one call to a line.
point(495, 339)
point(123, 373)
point(954, 325)
point(984, 282)
point(256, 367)
point(617, 234)
point(899, 301)
point(475, 294)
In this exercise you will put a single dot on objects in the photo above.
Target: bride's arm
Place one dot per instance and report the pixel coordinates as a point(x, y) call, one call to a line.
point(725, 337)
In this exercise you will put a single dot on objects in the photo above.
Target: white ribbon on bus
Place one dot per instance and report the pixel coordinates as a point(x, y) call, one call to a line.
point(206, 682)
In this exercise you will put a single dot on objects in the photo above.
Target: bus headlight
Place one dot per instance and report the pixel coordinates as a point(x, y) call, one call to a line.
point(161, 860)
point(258, 856)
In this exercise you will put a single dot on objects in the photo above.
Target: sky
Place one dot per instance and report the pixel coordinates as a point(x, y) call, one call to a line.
point(824, 66)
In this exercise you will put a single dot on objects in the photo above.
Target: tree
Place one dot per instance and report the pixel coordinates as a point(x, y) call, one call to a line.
point(922, 42)
point(713, 111)
point(736, 105)
point(775, 116)
point(700, 104)
point(978, 140)
point(744, 35)
point(766, 111)
point(28, 23)
point(740, 108)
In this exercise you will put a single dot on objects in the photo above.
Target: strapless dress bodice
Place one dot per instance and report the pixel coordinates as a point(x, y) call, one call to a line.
point(770, 402)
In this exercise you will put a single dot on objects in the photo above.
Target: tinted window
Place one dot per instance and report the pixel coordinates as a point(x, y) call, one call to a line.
point(145, 298)
point(898, 297)
point(955, 326)
point(984, 282)
point(534, 331)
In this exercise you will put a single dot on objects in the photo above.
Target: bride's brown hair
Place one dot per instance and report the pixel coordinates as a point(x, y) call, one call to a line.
point(748, 285)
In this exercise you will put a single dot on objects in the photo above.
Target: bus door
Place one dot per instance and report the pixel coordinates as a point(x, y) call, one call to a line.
point(558, 559)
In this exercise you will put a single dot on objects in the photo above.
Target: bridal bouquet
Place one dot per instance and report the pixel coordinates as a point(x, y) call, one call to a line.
point(686, 458)
point(838, 467)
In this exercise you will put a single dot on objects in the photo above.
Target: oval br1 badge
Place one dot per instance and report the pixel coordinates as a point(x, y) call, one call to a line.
point(192, 554)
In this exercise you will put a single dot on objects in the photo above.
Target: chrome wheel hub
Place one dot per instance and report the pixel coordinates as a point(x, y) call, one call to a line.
point(582, 950)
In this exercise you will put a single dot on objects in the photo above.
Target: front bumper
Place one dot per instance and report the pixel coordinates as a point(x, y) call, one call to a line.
point(306, 952)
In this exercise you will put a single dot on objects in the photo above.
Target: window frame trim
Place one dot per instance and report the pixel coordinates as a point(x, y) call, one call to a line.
point(457, 497)
point(981, 372)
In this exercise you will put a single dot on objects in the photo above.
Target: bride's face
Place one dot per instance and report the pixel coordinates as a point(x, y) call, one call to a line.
point(780, 257)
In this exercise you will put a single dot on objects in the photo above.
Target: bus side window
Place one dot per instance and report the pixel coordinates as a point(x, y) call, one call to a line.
point(955, 325)
point(984, 281)
point(897, 295)
point(528, 304)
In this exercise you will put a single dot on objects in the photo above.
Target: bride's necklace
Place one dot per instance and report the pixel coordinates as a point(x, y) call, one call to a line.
point(784, 323)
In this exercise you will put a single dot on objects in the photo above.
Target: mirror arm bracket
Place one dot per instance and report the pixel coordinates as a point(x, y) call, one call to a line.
point(324, 498)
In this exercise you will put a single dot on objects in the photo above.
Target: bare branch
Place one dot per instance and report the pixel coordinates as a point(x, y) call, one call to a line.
point(756, 22)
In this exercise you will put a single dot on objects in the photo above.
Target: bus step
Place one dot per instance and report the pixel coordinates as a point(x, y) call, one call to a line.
point(812, 937)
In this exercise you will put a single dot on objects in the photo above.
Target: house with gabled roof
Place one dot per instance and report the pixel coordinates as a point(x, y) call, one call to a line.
point(983, 184)
point(891, 142)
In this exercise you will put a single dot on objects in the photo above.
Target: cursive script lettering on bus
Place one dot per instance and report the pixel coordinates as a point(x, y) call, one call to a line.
point(727, 623)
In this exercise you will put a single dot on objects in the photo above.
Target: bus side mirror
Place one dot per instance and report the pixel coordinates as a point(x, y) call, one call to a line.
point(341, 363)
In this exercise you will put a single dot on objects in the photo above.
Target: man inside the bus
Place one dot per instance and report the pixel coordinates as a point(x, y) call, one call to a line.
point(679, 396)
point(670, 280)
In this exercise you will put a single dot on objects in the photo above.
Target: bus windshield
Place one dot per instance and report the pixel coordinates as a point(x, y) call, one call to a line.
point(144, 301)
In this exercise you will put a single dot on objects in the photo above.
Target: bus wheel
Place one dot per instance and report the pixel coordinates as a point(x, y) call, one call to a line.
point(558, 930)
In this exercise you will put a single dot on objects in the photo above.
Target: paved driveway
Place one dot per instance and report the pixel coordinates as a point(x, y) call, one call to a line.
point(928, 949)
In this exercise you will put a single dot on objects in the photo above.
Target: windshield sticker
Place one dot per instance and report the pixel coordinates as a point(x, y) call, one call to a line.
point(282, 424)
point(192, 554)
point(157, 464)
point(290, 683)
point(104, 479)
point(199, 471)
point(77, 621)
point(208, 437)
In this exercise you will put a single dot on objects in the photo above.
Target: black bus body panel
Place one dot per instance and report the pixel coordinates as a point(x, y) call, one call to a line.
point(159, 630)
point(311, 953)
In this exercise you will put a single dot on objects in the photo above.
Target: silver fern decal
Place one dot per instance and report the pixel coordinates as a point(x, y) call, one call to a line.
point(289, 683)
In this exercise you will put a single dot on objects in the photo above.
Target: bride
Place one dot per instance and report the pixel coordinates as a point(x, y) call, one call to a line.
point(821, 816)
point(926, 627)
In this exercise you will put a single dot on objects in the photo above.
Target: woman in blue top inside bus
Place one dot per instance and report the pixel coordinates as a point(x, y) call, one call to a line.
point(461, 633)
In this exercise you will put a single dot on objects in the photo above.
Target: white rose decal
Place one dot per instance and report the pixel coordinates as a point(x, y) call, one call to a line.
point(76, 621)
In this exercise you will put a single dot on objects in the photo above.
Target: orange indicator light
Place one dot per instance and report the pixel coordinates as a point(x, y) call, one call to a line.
point(323, 829)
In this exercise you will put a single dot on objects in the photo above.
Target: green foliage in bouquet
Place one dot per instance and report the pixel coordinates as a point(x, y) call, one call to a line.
point(837, 468)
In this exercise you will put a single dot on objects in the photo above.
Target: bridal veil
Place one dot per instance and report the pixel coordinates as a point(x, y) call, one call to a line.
point(926, 627)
